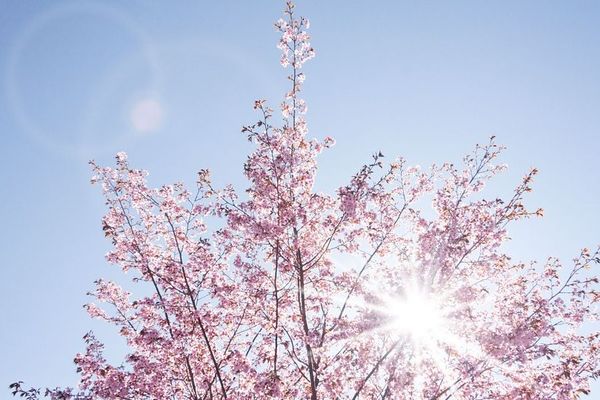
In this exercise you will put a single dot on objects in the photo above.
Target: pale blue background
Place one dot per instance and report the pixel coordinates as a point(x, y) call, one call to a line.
point(426, 80)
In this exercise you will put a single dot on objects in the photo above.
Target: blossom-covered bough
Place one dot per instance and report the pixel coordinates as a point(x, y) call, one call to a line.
point(365, 294)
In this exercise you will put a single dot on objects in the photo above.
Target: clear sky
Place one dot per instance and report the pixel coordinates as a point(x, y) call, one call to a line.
point(171, 83)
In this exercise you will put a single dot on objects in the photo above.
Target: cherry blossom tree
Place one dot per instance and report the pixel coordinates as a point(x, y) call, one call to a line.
point(394, 287)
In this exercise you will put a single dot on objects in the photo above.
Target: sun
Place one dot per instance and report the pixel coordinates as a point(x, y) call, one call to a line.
point(416, 313)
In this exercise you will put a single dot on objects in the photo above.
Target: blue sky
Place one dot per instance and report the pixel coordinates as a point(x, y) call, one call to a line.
point(171, 83)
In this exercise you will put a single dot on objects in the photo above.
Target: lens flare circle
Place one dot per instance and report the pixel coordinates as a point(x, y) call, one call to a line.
point(50, 19)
